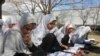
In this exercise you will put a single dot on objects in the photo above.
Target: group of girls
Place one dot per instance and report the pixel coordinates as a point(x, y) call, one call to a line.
point(25, 38)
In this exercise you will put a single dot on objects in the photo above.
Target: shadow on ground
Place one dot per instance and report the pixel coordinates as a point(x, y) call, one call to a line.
point(95, 49)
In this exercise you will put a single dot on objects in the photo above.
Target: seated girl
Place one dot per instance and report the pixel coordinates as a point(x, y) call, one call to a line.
point(82, 34)
point(41, 35)
point(65, 37)
point(34, 51)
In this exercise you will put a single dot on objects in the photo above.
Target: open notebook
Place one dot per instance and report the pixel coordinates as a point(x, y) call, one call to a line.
point(75, 48)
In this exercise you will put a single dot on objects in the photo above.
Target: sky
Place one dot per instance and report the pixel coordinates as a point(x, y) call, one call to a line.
point(86, 4)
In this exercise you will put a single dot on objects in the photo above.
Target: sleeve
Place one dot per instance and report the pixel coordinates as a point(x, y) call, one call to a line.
point(13, 44)
point(32, 48)
point(65, 40)
point(10, 47)
point(37, 37)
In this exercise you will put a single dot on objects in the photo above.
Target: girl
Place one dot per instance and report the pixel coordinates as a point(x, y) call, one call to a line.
point(63, 35)
point(82, 34)
point(26, 30)
point(41, 36)
point(13, 42)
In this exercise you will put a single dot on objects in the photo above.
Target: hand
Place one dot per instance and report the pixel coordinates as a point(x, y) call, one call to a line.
point(27, 39)
point(64, 46)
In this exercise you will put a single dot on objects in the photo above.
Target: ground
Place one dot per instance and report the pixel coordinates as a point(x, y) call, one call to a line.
point(96, 49)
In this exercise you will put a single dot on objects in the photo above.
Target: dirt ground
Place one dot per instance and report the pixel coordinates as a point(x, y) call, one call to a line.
point(96, 49)
point(95, 36)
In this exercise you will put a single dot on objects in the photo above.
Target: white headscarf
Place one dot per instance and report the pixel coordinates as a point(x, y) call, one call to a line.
point(81, 34)
point(11, 20)
point(1, 41)
point(54, 30)
point(82, 30)
point(1, 37)
point(1, 22)
point(27, 18)
point(13, 41)
point(61, 32)
point(88, 29)
point(42, 30)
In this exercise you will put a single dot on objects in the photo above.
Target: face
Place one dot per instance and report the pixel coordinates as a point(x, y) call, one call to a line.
point(31, 26)
point(70, 30)
point(26, 38)
point(25, 30)
point(11, 25)
point(51, 25)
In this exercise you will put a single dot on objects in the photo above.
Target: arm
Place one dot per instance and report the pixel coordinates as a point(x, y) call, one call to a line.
point(64, 42)
point(64, 46)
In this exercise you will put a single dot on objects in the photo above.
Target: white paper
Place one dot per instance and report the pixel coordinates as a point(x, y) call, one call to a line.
point(60, 54)
point(72, 50)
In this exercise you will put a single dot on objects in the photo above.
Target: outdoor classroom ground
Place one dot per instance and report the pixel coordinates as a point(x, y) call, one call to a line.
point(96, 49)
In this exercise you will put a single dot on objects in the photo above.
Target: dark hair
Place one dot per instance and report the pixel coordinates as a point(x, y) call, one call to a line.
point(33, 23)
point(53, 22)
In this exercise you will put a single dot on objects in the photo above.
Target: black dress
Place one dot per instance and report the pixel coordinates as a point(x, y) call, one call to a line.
point(65, 41)
point(20, 54)
point(36, 51)
point(50, 43)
